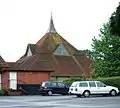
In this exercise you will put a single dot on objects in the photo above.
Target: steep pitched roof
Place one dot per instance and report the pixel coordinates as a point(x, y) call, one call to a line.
point(85, 63)
point(44, 56)
point(32, 47)
point(66, 66)
point(50, 41)
point(3, 64)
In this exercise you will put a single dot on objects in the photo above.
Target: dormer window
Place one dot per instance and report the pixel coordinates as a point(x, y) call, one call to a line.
point(61, 50)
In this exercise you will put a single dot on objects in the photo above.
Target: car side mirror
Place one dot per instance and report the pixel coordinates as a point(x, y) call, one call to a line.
point(104, 85)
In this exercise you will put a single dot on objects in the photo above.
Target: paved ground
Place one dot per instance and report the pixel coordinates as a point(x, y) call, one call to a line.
point(58, 102)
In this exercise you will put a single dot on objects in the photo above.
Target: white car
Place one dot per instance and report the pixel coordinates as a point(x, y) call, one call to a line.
point(87, 88)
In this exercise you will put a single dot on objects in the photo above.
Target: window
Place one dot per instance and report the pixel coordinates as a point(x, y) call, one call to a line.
point(100, 84)
point(92, 84)
point(61, 50)
point(54, 84)
point(13, 80)
point(74, 84)
point(83, 84)
point(47, 84)
point(61, 85)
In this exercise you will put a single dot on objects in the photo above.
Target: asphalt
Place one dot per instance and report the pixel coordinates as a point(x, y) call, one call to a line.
point(58, 102)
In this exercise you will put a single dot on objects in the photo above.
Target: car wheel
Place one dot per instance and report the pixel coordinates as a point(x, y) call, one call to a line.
point(49, 93)
point(113, 93)
point(86, 94)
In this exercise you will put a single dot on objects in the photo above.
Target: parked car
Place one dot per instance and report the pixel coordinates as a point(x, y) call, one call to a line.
point(87, 88)
point(53, 87)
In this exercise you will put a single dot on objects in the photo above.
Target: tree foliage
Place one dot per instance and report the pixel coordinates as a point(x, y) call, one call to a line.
point(86, 53)
point(115, 22)
point(106, 53)
point(106, 49)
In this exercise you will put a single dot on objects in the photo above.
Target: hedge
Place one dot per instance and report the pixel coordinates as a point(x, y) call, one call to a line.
point(71, 80)
point(112, 81)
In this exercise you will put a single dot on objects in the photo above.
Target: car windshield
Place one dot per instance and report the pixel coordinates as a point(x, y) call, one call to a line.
point(74, 84)
point(100, 84)
point(45, 84)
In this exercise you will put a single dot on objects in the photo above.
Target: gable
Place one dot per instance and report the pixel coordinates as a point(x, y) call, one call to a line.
point(61, 50)
point(3, 63)
point(29, 53)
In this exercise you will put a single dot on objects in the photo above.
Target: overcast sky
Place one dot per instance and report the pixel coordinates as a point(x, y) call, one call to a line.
point(26, 21)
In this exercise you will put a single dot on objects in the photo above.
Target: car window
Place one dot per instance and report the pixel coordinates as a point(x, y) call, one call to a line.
point(54, 84)
point(74, 84)
point(47, 84)
point(92, 84)
point(100, 84)
point(61, 84)
point(83, 84)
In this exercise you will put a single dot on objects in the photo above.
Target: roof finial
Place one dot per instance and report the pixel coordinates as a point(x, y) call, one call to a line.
point(51, 26)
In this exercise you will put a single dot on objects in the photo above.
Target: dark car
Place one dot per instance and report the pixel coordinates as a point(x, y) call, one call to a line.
point(52, 87)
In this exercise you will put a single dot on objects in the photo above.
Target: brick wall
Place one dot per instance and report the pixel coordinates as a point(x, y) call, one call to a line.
point(32, 77)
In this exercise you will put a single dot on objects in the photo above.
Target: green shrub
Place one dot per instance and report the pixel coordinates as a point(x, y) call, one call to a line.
point(71, 80)
point(112, 81)
point(2, 92)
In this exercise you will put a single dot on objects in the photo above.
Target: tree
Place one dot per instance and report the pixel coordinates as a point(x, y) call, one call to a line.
point(115, 22)
point(106, 53)
point(86, 53)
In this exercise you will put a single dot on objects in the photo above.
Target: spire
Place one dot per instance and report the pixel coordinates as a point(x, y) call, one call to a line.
point(51, 26)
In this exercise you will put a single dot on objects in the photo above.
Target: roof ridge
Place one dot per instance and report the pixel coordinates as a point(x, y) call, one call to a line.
point(83, 71)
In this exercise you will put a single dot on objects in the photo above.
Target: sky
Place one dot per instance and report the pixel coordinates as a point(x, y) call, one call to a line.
point(26, 21)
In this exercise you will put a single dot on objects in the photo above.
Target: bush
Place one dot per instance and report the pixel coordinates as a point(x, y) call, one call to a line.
point(2, 92)
point(112, 81)
point(71, 80)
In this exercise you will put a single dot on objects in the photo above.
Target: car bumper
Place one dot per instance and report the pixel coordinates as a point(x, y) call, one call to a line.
point(43, 91)
point(74, 93)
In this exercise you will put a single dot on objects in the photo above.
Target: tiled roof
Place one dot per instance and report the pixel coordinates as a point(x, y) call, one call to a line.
point(85, 64)
point(38, 62)
point(33, 49)
point(3, 64)
point(44, 58)
point(50, 41)
point(66, 66)
point(62, 65)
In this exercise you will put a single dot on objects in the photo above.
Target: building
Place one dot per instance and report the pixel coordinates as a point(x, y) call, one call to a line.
point(51, 58)
point(66, 59)
point(3, 65)
point(12, 74)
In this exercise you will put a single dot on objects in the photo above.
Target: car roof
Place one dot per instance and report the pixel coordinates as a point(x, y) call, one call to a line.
point(51, 81)
point(85, 81)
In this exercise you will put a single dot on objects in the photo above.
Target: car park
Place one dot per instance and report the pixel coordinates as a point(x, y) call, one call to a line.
point(53, 87)
point(87, 88)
